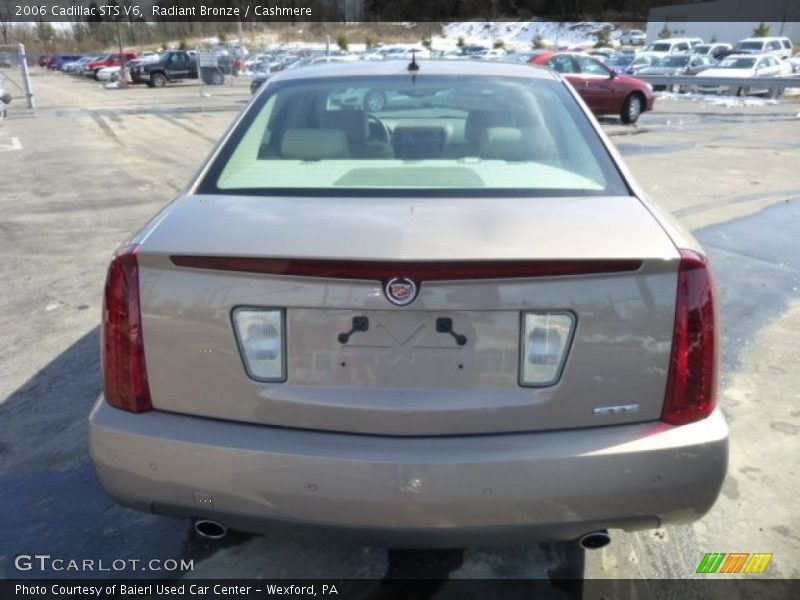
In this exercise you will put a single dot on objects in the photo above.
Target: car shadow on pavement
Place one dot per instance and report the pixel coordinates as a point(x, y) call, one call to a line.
point(48, 484)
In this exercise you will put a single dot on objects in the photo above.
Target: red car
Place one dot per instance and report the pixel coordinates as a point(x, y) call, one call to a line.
point(109, 60)
point(604, 92)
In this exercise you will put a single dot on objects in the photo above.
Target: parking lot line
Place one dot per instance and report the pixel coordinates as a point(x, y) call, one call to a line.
point(10, 143)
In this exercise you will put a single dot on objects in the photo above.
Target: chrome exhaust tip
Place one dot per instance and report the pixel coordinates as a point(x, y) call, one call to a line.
point(210, 530)
point(595, 540)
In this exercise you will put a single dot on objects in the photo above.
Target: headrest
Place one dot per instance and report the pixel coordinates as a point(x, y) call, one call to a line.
point(352, 122)
point(314, 144)
point(508, 143)
point(479, 120)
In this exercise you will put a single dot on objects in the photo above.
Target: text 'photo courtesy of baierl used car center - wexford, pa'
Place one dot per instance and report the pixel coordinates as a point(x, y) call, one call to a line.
point(400, 299)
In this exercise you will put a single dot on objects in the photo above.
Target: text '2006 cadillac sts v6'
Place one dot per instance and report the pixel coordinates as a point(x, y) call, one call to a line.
point(453, 320)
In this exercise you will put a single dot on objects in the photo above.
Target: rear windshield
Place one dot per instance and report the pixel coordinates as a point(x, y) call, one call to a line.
point(737, 63)
point(672, 61)
point(659, 47)
point(429, 135)
point(749, 46)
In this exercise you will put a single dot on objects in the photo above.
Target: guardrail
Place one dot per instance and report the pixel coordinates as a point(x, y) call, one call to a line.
point(774, 84)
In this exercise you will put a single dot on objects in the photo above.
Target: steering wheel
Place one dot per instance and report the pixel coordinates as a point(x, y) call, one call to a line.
point(377, 129)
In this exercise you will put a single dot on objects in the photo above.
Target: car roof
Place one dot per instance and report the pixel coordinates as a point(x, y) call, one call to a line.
point(426, 67)
point(763, 39)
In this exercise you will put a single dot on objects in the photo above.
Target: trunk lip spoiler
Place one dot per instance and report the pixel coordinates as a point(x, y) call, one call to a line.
point(438, 270)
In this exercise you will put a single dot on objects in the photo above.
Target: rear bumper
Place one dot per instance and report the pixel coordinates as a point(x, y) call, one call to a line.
point(411, 491)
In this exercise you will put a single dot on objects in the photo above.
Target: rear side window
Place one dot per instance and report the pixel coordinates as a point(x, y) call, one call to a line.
point(428, 135)
point(562, 63)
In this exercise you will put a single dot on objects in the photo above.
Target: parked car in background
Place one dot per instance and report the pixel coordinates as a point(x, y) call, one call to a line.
point(781, 47)
point(672, 46)
point(677, 64)
point(491, 54)
point(619, 62)
point(715, 50)
point(177, 65)
point(640, 61)
point(5, 60)
point(604, 91)
point(522, 57)
point(470, 49)
point(407, 53)
point(77, 66)
point(109, 60)
point(108, 74)
point(63, 59)
point(745, 66)
point(633, 37)
point(548, 341)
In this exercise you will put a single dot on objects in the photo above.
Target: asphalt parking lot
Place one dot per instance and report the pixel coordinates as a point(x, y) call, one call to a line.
point(93, 165)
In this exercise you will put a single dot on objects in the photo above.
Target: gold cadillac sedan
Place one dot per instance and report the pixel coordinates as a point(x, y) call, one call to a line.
point(420, 304)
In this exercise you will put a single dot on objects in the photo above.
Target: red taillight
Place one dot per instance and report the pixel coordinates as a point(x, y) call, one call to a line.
point(124, 368)
point(692, 383)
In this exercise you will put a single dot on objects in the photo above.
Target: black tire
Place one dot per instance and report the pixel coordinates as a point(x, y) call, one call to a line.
point(775, 93)
point(96, 73)
point(217, 78)
point(374, 101)
point(158, 80)
point(632, 109)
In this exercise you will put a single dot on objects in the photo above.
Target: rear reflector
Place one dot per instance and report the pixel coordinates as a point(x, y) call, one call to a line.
point(259, 333)
point(692, 383)
point(546, 338)
point(419, 271)
point(124, 368)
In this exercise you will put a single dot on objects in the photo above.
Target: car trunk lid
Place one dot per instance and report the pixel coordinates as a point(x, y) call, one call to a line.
point(404, 375)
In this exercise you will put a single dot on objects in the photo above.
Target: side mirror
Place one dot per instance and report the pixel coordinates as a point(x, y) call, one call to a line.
point(612, 74)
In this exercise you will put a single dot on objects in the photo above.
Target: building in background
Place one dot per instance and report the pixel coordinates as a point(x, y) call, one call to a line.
point(703, 19)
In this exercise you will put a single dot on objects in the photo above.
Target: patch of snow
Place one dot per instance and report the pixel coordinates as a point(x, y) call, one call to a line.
point(570, 35)
point(716, 100)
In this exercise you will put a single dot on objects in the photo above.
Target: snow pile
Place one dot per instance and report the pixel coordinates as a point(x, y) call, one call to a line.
point(520, 34)
point(723, 101)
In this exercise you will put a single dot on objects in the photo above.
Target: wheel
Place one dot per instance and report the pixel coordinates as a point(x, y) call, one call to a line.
point(96, 74)
point(374, 101)
point(676, 89)
point(631, 109)
point(158, 80)
point(775, 93)
point(743, 91)
point(217, 78)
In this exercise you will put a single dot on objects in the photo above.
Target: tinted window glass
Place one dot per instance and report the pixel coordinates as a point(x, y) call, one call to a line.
point(590, 66)
point(389, 135)
point(562, 63)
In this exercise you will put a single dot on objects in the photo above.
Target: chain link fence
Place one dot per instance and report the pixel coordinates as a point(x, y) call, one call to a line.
point(15, 81)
